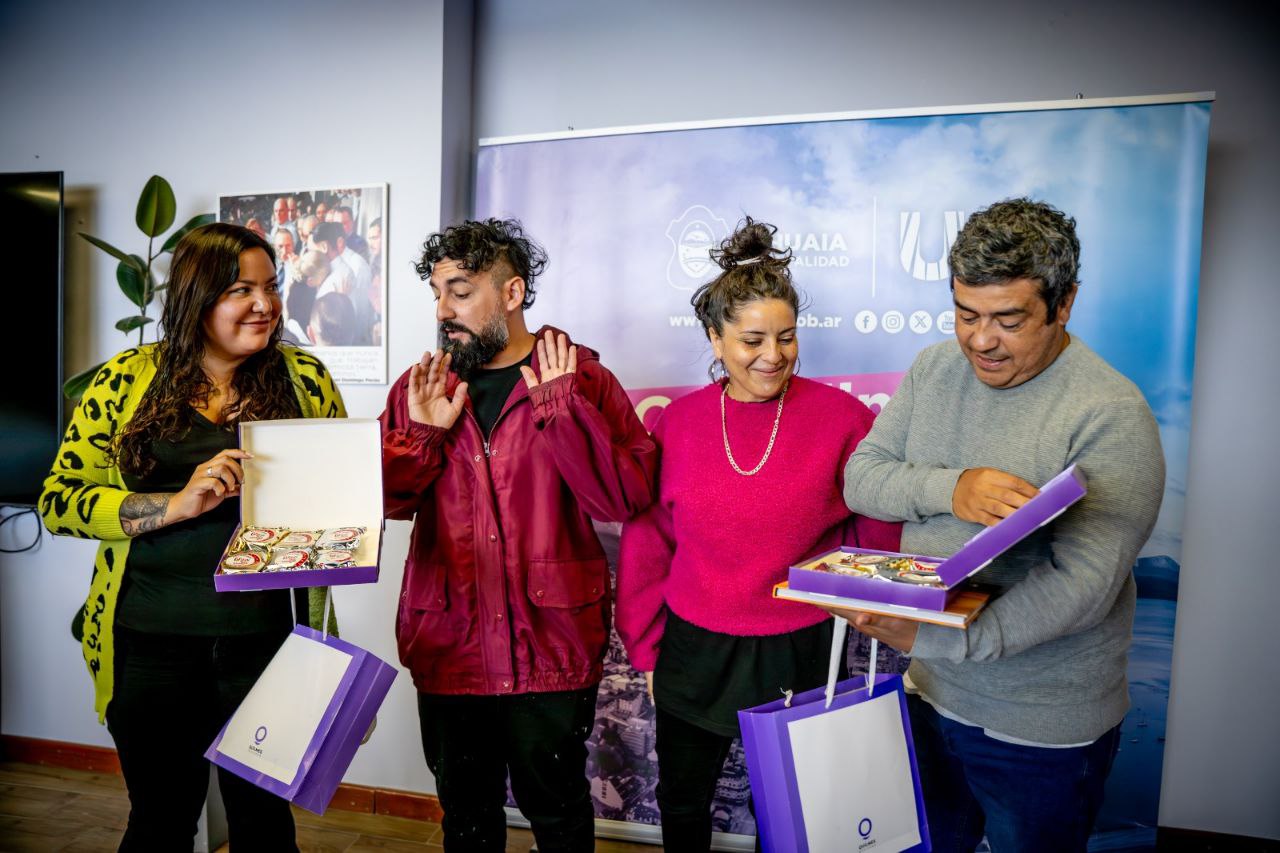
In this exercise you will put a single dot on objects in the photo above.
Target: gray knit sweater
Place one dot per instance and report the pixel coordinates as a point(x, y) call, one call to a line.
point(1045, 661)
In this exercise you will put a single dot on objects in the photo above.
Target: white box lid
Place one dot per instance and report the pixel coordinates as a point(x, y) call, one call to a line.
point(312, 473)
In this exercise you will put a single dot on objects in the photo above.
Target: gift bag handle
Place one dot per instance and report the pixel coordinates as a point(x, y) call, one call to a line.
point(838, 636)
point(328, 602)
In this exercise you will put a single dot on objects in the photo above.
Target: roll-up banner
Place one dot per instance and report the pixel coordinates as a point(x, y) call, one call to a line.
point(870, 204)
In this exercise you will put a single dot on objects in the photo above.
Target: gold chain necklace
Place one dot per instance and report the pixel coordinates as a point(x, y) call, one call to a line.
point(724, 430)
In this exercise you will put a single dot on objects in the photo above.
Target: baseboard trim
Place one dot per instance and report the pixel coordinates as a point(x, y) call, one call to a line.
point(103, 759)
point(57, 753)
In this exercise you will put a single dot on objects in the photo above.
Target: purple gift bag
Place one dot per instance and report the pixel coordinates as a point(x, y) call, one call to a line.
point(834, 768)
point(297, 730)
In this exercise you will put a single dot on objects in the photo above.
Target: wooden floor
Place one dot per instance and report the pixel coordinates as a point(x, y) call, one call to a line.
point(46, 809)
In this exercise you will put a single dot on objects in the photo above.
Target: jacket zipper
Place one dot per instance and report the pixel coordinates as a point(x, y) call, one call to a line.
point(484, 440)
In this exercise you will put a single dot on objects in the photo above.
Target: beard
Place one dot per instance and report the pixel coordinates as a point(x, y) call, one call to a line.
point(479, 349)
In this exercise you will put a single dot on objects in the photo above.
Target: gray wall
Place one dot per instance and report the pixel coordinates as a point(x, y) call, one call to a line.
point(556, 64)
point(218, 98)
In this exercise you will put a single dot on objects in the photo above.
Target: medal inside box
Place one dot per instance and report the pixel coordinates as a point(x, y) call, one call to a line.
point(314, 534)
point(862, 573)
point(278, 549)
point(867, 564)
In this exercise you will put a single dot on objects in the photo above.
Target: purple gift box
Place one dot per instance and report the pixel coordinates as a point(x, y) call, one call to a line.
point(311, 474)
point(346, 717)
point(1054, 498)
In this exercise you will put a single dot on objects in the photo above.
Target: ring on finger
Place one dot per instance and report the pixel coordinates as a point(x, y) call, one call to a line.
point(208, 472)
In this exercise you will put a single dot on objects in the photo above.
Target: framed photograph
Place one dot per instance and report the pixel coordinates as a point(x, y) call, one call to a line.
point(331, 263)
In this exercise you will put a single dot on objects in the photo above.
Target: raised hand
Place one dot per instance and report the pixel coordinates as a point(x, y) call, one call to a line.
point(427, 401)
point(986, 495)
point(555, 357)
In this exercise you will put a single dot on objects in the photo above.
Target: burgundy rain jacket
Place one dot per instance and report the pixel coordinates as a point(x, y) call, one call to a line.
point(506, 588)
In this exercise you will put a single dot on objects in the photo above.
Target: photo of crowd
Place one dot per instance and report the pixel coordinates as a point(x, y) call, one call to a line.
point(330, 266)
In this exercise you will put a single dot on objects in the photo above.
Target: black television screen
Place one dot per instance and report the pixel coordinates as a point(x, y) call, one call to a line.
point(31, 412)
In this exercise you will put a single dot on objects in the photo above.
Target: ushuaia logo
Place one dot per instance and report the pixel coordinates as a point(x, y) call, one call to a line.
point(258, 737)
point(815, 248)
point(864, 829)
point(693, 234)
point(909, 244)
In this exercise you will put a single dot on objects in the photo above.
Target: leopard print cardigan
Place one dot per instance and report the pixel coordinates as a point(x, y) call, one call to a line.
point(83, 492)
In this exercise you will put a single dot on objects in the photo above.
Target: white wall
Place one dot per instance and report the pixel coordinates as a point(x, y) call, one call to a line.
point(556, 64)
point(218, 97)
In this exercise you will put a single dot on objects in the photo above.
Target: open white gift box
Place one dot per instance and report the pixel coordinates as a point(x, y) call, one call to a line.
point(311, 474)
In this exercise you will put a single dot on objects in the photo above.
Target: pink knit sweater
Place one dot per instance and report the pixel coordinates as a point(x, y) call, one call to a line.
point(715, 542)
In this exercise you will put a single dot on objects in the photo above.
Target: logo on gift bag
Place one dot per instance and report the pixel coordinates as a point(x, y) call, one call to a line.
point(864, 829)
point(258, 737)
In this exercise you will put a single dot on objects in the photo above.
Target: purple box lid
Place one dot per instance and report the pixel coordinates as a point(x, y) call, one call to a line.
point(1054, 498)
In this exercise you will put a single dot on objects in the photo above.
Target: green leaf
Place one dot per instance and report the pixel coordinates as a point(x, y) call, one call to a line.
point(131, 283)
point(104, 246)
point(128, 324)
point(74, 388)
point(156, 207)
point(196, 222)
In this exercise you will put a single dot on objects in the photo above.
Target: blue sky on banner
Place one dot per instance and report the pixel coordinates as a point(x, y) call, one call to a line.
point(869, 207)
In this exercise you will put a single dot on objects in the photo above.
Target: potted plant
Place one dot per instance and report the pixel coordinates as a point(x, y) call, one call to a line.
point(156, 211)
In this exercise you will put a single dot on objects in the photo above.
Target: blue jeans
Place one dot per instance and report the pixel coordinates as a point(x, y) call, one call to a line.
point(1025, 798)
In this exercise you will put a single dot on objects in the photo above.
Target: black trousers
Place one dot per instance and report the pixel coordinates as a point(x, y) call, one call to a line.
point(172, 696)
point(472, 742)
point(690, 761)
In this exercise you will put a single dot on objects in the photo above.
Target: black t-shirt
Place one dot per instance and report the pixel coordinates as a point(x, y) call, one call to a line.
point(168, 583)
point(489, 390)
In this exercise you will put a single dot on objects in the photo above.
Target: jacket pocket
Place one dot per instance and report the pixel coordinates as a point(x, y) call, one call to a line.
point(424, 592)
point(567, 583)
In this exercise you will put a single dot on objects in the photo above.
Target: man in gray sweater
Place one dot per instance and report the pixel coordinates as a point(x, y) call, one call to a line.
point(1016, 720)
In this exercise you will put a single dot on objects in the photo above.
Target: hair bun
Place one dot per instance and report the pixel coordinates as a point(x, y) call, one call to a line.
point(751, 243)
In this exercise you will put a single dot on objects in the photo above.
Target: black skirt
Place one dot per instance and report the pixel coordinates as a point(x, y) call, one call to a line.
point(705, 678)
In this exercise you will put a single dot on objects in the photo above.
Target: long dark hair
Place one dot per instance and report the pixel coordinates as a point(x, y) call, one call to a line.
point(205, 263)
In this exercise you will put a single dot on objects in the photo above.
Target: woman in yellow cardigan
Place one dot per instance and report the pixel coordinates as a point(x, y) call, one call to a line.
point(150, 466)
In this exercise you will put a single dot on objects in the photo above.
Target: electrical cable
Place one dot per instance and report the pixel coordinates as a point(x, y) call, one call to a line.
point(20, 514)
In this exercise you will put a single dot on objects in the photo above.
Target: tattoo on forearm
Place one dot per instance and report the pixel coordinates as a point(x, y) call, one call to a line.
point(142, 513)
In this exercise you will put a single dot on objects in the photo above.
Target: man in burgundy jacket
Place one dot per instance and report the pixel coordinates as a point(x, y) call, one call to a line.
point(503, 446)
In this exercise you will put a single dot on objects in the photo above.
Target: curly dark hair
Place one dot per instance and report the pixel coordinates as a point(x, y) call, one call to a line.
point(751, 269)
point(493, 245)
point(205, 263)
point(1019, 238)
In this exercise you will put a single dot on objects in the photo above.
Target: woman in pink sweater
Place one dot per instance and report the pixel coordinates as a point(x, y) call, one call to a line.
point(750, 483)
